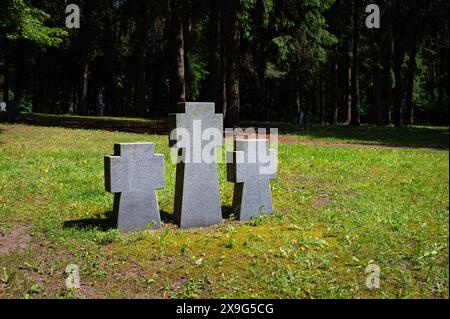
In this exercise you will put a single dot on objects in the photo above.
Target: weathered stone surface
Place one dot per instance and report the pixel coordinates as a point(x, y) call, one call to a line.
point(133, 174)
point(252, 194)
point(2, 107)
point(197, 198)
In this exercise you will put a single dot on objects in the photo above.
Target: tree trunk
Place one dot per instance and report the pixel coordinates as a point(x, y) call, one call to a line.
point(376, 103)
point(141, 35)
point(313, 105)
point(376, 78)
point(6, 77)
point(83, 90)
point(412, 65)
point(441, 90)
point(233, 63)
point(388, 83)
point(214, 83)
point(223, 59)
point(260, 56)
point(64, 87)
point(187, 29)
point(177, 78)
point(334, 102)
point(36, 92)
point(322, 101)
point(85, 55)
point(19, 76)
point(349, 92)
point(111, 60)
point(262, 101)
point(52, 84)
point(399, 54)
point(297, 103)
point(357, 11)
point(326, 102)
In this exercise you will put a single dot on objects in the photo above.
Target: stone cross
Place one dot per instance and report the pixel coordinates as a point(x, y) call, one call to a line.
point(133, 174)
point(2, 107)
point(252, 195)
point(197, 198)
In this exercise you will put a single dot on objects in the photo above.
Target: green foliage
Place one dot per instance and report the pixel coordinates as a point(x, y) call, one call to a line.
point(247, 16)
point(296, 29)
point(196, 73)
point(287, 49)
point(21, 21)
point(284, 45)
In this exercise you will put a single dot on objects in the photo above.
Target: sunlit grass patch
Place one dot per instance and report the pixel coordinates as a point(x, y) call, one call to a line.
point(337, 210)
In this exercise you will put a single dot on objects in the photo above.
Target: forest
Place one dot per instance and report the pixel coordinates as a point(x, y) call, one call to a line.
point(258, 60)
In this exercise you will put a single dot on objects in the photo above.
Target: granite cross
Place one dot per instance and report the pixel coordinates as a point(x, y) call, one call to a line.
point(252, 195)
point(133, 174)
point(197, 198)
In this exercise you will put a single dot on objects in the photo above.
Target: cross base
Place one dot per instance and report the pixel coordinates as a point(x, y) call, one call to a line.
point(137, 211)
point(197, 199)
point(251, 199)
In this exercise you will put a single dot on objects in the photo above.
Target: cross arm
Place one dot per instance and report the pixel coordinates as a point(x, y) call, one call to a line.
point(236, 168)
point(115, 181)
point(269, 170)
point(158, 171)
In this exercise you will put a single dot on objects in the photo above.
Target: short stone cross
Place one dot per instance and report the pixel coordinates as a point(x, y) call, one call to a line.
point(133, 174)
point(252, 195)
point(196, 131)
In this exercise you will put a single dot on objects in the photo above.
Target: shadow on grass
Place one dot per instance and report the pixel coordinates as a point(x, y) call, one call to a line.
point(1, 131)
point(2, 119)
point(141, 126)
point(408, 137)
point(167, 218)
point(102, 222)
point(107, 221)
point(227, 212)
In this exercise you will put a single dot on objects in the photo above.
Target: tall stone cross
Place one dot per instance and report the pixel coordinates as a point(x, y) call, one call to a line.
point(251, 175)
point(133, 174)
point(196, 131)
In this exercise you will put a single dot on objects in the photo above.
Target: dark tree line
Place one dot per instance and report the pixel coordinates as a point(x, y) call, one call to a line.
point(260, 60)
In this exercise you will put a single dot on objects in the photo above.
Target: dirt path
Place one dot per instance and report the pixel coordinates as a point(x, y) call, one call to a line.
point(292, 140)
point(15, 239)
point(161, 128)
point(289, 140)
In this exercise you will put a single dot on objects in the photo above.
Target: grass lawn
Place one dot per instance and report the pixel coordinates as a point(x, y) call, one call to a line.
point(339, 207)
